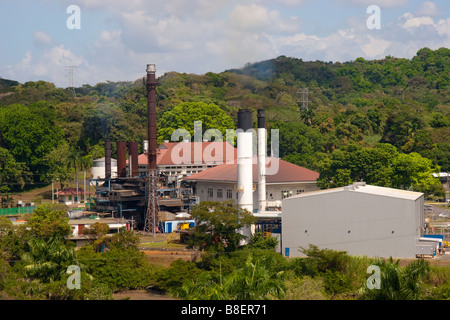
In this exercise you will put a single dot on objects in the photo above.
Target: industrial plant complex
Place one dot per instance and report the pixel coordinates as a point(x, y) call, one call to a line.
point(148, 191)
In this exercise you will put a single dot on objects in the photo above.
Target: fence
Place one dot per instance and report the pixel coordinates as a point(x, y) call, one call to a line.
point(15, 211)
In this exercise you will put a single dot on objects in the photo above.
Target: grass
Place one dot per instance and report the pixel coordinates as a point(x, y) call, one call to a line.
point(157, 242)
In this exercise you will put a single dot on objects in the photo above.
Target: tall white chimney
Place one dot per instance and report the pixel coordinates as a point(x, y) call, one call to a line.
point(262, 150)
point(245, 165)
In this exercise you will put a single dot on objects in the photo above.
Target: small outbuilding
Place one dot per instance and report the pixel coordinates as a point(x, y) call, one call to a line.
point(360, 219)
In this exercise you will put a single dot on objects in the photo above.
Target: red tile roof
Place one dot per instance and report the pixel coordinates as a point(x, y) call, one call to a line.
point(287, 172)
point(210, 152)
point(70, 192)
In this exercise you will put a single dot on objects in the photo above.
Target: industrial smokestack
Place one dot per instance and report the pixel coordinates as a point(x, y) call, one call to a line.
point(262, 149)
point(133, 162)
point(152, 207)
point(245, 164)
point(121, 159)
point(151, 115)
point(107, 159)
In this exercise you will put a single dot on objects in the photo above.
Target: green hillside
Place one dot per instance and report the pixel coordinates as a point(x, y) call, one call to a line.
point(386, 121)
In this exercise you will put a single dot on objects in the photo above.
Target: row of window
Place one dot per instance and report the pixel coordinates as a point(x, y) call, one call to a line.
point(219, 193)
point(288, 193)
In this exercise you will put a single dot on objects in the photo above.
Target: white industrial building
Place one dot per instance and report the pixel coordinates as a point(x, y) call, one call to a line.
point(360, 219)
point(221, 183)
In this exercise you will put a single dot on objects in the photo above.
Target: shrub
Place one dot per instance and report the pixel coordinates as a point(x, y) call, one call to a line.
point(305, 288)
point(173, 277)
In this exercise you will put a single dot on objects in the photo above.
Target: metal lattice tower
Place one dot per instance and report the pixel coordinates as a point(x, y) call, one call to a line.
point(70, 84)
point(304, 98)
point(151, 219)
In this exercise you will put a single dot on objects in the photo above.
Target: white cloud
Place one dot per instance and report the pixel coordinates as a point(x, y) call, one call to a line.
point(427, 8)
point(415, 22)
point(42, 39)
point(443, 27)
point(203, 35)
point(380, 3)
point(253, 18)
point(375, 48)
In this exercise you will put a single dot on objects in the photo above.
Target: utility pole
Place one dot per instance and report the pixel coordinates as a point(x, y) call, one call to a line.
point(152, 183)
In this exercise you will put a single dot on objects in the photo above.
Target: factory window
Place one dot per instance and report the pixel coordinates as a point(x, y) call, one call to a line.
point(286, 194)
point(229, 194)
point(219, 193)
point(210, 192)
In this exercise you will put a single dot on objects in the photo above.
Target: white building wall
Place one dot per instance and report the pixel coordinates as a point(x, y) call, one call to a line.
point(210, 191)
point(359, 223)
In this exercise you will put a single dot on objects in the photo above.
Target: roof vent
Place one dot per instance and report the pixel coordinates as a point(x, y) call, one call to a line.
point(355, 185)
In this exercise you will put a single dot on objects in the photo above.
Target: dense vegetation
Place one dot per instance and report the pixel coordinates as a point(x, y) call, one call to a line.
point(35, 260)
point(358, 106)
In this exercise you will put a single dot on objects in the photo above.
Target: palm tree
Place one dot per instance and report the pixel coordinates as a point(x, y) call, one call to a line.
point(398, 283)
point(253, 281)
point(74, 161)
point(48, 259)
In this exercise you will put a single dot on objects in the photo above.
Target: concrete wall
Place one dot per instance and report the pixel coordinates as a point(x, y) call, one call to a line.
point(359, 223)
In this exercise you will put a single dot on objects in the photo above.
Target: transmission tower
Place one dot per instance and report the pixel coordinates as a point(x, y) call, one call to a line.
point(69, 70)
point(303, 98)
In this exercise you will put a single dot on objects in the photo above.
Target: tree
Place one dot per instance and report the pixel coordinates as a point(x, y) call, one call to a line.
point(48, 221)
point(398, 283)
point(58, 162)
point(355, 163)
point(13, 175)
point(252, 281)
point(86, 164)
point(183, 116)
point(47, 259)
point(30, 133)
point(75, 161)
point(415, 172)
point(217, 226)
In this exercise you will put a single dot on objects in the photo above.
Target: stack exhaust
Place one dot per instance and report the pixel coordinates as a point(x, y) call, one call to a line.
point(245, 164)
point(107, 159)
point(133, 159)
point(262, 149)
point(121, 159)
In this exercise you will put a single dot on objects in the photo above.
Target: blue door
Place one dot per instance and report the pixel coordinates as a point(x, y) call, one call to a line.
point(169, 227)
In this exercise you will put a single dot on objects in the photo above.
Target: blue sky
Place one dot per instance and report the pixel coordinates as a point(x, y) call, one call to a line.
point(118, 38)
